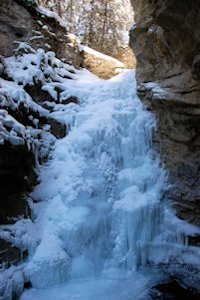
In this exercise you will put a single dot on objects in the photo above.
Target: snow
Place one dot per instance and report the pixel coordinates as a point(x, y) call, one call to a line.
point(16, 96)
point(43, 70)
point(15, 129)
point(101, 55)
point(33, 67)
point(97, 220)
point(134, 26)
point(12, 96)
point(158, 92)
point(78, 15)
point(46, 12)
point(36, 37)
point(111, 286)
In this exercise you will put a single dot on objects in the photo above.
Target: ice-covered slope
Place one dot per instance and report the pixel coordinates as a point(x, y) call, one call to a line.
point(97, 211)
point(101, 190)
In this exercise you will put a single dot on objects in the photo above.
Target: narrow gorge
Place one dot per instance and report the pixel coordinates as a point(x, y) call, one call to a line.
point(99, 163)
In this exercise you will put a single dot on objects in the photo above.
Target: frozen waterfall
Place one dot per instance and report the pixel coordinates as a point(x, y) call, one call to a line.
point(98, 220)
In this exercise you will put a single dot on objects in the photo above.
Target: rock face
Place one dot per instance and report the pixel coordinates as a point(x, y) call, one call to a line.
point(127, 57)
point(9, 253)
point(100, 64)
point(27, 23)
point(30, 123)
point(23, 22)
point(166, 42)
point(17, 176)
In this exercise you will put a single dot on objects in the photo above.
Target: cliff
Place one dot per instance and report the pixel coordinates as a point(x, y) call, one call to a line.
point(28, 128)
point(22, 21)
point(166, 42)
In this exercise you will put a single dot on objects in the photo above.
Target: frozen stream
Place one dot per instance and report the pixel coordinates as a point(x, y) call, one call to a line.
point(98, 219)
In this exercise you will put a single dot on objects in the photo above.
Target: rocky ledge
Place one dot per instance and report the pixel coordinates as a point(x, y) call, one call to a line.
point(24, 21)
point(36, 108)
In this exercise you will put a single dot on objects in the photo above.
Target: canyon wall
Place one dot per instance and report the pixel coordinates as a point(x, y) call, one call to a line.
point(24, 28)
point(22, 21)
point(166, 42)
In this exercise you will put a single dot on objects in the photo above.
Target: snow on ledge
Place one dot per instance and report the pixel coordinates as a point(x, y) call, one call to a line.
point(101, 55)
point(158, 92)
point(50, 14)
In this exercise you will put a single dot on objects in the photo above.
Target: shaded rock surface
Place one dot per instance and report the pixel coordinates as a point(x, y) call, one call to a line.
point(17, 176)
point(172, 291)
point(26, 23)
point(165, 39)
point(9, 254)
point(127, 57)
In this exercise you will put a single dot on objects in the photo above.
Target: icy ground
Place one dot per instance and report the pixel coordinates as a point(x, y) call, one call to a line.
point(97, 217)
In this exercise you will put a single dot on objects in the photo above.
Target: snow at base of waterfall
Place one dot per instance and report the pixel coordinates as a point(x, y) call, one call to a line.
point(97, 216)
point(113, 285)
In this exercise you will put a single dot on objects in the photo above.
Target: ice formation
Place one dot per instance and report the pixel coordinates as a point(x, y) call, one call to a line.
point(96, 216)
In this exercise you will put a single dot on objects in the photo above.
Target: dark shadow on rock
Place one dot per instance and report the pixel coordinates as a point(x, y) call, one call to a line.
point(17, 176)
point(9, 254)
point(172, 291)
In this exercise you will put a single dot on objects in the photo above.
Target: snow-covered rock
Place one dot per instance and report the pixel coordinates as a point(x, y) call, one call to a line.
point(36, 107)
point(38, 27)
point(100, 64)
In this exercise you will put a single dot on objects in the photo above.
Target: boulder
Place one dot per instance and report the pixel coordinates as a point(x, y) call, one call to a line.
point(100, 64)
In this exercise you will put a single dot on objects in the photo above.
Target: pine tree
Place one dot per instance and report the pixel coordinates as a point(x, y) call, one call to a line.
point(102, 25)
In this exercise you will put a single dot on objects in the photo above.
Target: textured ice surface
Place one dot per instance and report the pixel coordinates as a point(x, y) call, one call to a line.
point(114, 285)
point(97, 211)
point(101, 190)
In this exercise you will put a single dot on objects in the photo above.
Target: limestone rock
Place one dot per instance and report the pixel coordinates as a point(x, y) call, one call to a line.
point(100, 64)
point(26, 23)
point(166, 40)
point(127, 57)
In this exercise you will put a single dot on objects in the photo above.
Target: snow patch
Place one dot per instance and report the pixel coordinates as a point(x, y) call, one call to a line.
point(101, 55)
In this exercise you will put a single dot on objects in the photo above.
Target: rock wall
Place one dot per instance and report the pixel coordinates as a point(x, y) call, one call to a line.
point(17, 177)
point(22, 22)
point(30, 123)
point(23, 29)
point(127, 57)
point(166, 42)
